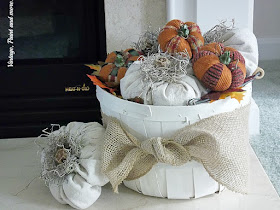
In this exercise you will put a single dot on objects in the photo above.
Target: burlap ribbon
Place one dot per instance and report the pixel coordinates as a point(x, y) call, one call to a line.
point(218, 142)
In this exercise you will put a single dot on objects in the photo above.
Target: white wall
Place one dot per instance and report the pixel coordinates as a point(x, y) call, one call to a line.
point(127, 19)
point(267, 18)
point(210, 13)
point(267, 28)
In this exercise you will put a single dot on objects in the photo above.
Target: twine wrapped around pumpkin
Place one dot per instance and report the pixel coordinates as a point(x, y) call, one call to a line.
point(218, 67)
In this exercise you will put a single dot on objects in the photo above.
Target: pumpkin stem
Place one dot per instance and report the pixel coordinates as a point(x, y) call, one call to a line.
point(119, 62)
point(225, 58)
point(184, 31)
point(61, 155)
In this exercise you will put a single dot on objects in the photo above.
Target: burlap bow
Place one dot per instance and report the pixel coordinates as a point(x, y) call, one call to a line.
point(218, 142)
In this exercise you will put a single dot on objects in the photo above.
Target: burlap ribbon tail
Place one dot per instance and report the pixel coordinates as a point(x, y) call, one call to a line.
point(218, 142)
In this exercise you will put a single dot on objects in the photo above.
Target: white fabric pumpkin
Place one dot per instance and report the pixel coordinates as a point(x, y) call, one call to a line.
point(82, 187)
point(246, 43)
point(160, 93)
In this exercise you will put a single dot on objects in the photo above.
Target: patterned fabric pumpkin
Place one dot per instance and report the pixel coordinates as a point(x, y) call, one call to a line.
point(218, 67)
point(178, 36)
point(116, 65)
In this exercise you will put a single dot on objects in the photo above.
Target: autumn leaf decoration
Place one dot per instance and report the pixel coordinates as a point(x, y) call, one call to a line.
point(97, 82)
point(96, 68)
point(237, 93)
point(94, 77)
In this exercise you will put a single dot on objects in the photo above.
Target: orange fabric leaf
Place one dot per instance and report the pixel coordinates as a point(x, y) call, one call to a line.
point(99, 83)
point(94, 67)
point(237, 95)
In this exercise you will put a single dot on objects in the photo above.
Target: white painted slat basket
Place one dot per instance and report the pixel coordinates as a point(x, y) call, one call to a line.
point(145, 121)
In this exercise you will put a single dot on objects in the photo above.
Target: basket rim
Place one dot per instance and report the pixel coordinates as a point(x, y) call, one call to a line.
point(114, 106)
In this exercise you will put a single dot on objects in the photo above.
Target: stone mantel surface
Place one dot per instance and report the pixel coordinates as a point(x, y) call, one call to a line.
point(19, 165)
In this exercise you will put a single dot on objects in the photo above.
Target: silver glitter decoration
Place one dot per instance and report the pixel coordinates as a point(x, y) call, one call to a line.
point(216, 33)
point(148, 43)
point(164, 67)
point(61, 155)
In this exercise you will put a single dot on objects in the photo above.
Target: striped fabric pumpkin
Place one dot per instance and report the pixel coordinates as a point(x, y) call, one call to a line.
point(219, 68)
point(116, 65)
point(178, 36)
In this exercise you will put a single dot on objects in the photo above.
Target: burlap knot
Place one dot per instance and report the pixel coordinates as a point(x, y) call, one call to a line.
point(218, 142)
point(165, 151)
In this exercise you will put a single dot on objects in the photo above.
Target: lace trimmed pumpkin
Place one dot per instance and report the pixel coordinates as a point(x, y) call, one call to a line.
point(178, 36)
point(116, 65)
point(219, 68)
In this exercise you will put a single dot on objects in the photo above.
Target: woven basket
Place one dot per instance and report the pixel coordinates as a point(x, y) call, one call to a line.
point(145, 121)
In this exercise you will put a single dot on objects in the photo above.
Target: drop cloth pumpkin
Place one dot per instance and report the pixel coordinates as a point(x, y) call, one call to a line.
point(160, 92)
point(116, 65)
point(219, 68)
point(71, 163)
point(178, 36)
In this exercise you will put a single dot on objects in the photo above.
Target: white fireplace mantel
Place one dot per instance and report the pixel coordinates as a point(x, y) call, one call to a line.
point(209, 13)
point(20, 165)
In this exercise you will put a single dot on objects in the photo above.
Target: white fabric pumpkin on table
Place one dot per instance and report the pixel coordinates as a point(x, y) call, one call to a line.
point(74, 152)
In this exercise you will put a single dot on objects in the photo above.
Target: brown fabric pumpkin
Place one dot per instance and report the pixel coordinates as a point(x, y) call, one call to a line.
point(116, 65)
point(218, 67)
point(178, 36)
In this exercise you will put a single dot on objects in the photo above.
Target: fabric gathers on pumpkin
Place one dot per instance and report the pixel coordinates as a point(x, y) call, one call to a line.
point(71, 164)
